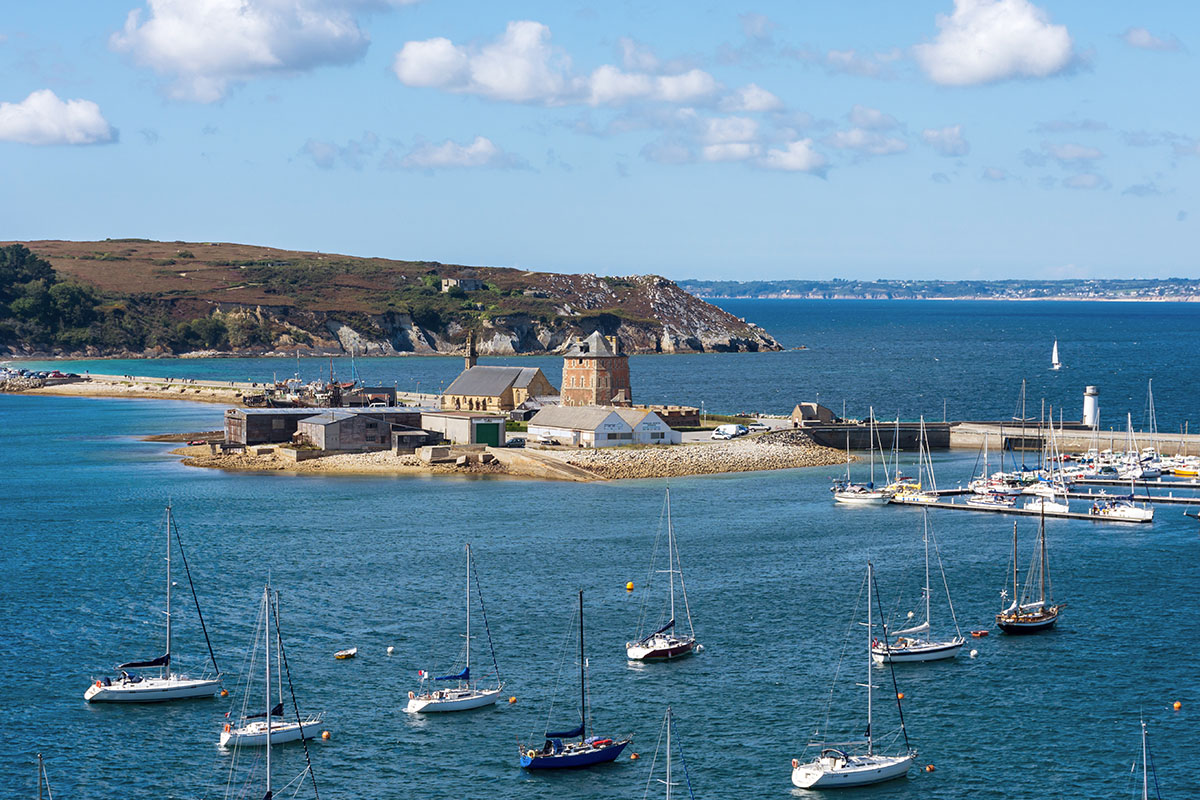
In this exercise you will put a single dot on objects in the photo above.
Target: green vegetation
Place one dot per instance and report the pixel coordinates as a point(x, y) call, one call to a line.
point(35, 305)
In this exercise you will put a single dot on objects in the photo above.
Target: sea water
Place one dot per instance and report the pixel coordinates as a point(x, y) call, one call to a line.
point(774, 574)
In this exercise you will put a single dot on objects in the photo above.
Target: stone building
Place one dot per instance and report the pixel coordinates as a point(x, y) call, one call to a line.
point(596, 373)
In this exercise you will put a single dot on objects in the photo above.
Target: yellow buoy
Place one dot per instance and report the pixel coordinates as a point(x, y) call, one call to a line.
point(325, 735)
point(634, 756)
point(512, 699)
point(224, 693)
point(629, 586)
point(1178, 705)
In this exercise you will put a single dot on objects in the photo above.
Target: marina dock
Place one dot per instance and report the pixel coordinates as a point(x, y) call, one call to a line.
point(1024, 512)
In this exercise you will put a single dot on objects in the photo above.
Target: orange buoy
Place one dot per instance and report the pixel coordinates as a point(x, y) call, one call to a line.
point(900, 696)
point(634, 756)
point(795, 763)
point(325, 735)
point(224, 693)
point(1178, 705)
point(929, 767)
point(226, 727)
point(629, 586)
point(512, 699)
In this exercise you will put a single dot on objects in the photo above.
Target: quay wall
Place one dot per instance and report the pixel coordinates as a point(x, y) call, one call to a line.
point(885, 435)
point(1069, 439)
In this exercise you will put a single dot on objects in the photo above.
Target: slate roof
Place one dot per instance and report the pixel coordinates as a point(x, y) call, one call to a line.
point(583, 418)
point(594, 346)
point(490, 381)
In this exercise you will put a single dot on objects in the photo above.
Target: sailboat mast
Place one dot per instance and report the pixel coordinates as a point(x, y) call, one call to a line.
point(42, 768)
point(671, 557)
point(871, 444)
point(166, 668)
point(1016, 597)
point(267, 659)
point(1042, 558)
point(870, 620)
point(582, 677)
point(669, 751)
point(927, 589)
point(1145, 776)
point(847, 455)
point(468, 613)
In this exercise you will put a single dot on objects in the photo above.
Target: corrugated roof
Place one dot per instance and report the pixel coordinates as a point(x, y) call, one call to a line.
point(584, 418)
point(328, 415)
point(255, 412)
point(487, 381)
point(594, 346)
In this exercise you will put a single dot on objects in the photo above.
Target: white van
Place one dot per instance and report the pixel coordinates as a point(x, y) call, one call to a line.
point(728, 431)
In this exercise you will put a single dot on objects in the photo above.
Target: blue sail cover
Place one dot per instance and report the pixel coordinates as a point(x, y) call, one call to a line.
point(666, 627)
point(277, 711)
point(566, 734)
point(465, 675)
point(161, 661)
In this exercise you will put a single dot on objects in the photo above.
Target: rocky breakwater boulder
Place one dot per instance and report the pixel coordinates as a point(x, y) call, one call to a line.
point(21, 384)
point(776, 450)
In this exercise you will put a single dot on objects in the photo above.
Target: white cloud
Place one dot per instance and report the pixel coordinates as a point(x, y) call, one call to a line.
point(41, 119)
point(431, 63)
point(730, 151)
point(866, 142)
point(688, 87)
point(871, 119)
point(1144, 39)
point(992, 40)
point(946, 141)
point(1065, 153)
point(757, 26)
point(352, 154)
point(751, 98)
point(1088, 180)
point(730, 129)
point(449, 154)
point(610, 86)
point(864, 65)
point(994, 174)
point(797, 156)
point(208, 45)
point(637, 56)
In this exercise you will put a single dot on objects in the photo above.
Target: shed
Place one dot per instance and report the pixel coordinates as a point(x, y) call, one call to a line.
point(466, 427)
point(581, 426)
point(345, 429)
point(811, 412)
point(262, 425)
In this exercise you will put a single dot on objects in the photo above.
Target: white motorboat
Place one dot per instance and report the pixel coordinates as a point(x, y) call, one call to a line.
point(837, 767)
point(464, 694)
point(1048, 504)
point(263, 729)
point(991, 500)
point(667, 641)
point(1122, 509)
point(914, 643)
point(133, 687)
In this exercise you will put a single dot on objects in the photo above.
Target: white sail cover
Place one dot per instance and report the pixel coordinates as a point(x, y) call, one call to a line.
point(922, 628)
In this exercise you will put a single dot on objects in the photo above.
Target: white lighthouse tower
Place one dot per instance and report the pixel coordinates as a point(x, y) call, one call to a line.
point(1091, 407)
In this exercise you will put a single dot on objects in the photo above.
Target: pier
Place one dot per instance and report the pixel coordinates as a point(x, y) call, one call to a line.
point(1024, 512)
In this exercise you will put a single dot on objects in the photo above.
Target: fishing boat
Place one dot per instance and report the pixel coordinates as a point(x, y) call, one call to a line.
point(914, 643)
point(255, 729)
point(464, 694)
point(839, 766)
point(134, 687)
point(666, 641)
point(668, 781)
point(589, 750)
point(1029, 613)
point(342, 655)
point(1055, 364)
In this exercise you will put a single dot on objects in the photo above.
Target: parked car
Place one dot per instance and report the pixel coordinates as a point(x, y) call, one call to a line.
point(757, 427)
point(514, 441)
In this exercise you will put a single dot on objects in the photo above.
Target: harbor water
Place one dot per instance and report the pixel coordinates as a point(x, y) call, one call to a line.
point(774, 571)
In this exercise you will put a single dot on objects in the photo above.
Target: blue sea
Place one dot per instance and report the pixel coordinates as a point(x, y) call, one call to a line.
point(774, 575)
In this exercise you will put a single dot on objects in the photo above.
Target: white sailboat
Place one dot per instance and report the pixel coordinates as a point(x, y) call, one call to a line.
point(1054, 362)
point(852, 493)
point(465, 694)
point(669, 781)
point(167, 685)
point(924, 490)
point(257, 729)
point(914, 643)
point(666, 641)
point(1149, 774)
point(836, 767)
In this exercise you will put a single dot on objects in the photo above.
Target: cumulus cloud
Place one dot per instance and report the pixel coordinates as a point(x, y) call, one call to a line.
point(1072, 153)
point(797, 156)
point(946, 141)
point(866, 142)
point(750, 97)
point(42, 119)
point(523, 66)
point(992, 40)
point(850, 62)
point(208, 45)
point(871, 119)
point(1086, 180)
point(1145, 40)
point(994, 174)
point(449, 154)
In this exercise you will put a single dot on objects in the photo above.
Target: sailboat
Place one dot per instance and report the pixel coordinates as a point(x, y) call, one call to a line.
point(167, 685)
point(852, 493)
point(669, 782)
point(589, 750)
point(1026, 613)
point(667, 641)
point(1054, 362)
point(44, 780)
point(924, 490)
point(464, 694)
point(1148, 771)
point(836, 767)
point(256, 729)
point(914, 643)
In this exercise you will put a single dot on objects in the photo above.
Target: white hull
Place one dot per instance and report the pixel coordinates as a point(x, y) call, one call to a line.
point(151, 690)
point(451, 700)
point(835, 772)
point(861, 498)
point(254, 734)
point(922, 651)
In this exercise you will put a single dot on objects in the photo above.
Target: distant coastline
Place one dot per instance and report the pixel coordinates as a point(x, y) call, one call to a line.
point(1064, 298)
point(1171, 290)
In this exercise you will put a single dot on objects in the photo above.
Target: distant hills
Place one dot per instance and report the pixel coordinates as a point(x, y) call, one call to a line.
point(1178, 289)
point(136, 297)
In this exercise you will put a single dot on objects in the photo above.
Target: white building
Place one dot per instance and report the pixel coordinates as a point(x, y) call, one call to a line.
point(599, 426)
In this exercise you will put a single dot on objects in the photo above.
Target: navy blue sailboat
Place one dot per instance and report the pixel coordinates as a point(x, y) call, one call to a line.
point(589, 750)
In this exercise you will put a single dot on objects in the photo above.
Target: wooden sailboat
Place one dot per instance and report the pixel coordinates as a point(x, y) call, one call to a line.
point(256, 729)
point(1026, 613)
point(915, 643)
point(167, 685)
point(837, 766)
point(666, 641)
point(669, 781)
point(589, 750)
point(464, 694)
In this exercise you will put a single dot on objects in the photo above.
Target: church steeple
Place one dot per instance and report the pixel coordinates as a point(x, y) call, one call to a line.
point(471, 359)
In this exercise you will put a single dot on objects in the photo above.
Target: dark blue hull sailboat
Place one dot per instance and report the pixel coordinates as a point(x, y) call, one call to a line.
point(588, 750)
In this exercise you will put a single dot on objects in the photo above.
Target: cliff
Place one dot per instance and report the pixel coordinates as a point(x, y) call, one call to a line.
point(166, 298)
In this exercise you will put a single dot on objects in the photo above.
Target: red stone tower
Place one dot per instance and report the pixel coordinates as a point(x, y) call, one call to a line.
point(596, 373)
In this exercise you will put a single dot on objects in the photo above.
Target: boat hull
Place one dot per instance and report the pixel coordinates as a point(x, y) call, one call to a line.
point(1026, 623)
point(861, 498)
point(653, 652)
point(574, 760)
point(451, 701)
point(825, 773)
point(151, 690)
point(927, 651)
point(255, 734)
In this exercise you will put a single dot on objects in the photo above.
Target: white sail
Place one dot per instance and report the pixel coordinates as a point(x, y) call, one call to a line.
point(1054, 362)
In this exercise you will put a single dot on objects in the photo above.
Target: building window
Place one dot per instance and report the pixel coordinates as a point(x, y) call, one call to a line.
point(658, 435)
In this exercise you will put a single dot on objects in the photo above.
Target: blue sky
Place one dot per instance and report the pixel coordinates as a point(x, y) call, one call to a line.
point(940, 139)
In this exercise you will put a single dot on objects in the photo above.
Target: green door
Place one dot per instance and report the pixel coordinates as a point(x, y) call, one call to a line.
point(488, 433)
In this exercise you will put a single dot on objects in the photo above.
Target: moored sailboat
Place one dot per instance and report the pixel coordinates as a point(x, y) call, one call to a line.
point(850, 493)
point(667, 641)
point(589, 750)
point(1026, 613)
point(669, 782)
point(464, 694)
point(167, 685)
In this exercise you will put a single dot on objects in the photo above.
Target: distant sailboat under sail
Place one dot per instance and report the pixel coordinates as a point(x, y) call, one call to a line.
point(1054, 362)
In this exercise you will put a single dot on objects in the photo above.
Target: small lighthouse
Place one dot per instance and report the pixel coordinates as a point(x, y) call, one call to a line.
point(1091, 407)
